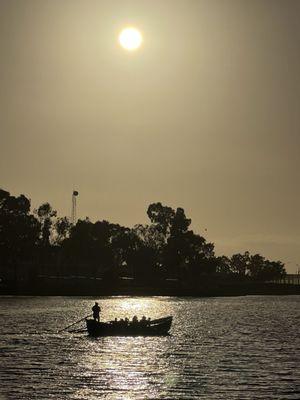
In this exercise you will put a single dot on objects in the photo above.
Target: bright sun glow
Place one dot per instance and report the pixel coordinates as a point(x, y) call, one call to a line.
point(130, 38)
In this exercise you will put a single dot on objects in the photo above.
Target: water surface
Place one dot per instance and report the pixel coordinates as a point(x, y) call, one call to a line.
point(219, 348)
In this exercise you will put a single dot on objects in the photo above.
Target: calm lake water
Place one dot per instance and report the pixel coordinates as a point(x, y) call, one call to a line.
point(219, 348)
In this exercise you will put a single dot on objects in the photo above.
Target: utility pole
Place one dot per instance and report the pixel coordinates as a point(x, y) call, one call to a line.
point(73, 216)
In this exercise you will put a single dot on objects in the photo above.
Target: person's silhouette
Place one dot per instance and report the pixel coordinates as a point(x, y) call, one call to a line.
point(96, 312)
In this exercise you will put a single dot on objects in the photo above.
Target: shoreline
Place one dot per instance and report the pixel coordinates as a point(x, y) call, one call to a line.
point(91, 288)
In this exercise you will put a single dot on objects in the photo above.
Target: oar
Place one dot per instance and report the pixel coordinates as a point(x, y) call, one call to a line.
point(77, 331)
point(74, 323)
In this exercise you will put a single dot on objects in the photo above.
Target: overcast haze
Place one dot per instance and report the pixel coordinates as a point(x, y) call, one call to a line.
point(205, 116)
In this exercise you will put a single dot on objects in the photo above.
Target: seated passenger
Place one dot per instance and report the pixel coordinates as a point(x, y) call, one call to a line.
point(135, 320)
point(148, 321)
point(122, 322)
point(143, 321)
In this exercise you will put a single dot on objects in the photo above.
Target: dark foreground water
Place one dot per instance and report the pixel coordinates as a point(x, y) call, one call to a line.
point(220, 348)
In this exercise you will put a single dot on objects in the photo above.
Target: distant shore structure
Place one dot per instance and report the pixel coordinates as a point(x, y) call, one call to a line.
point(73, 216)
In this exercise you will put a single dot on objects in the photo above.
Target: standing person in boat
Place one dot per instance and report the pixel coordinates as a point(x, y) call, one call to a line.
point(96, 312)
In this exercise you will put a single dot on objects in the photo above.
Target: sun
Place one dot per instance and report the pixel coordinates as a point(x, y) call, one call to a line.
point(130, 38)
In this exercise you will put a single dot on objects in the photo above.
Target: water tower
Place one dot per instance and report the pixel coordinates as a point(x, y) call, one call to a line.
point(73, 217)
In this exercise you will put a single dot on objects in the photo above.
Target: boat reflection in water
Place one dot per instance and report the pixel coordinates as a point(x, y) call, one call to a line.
point(156, 327)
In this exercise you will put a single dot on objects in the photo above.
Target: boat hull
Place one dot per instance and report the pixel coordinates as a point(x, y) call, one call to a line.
point(159, 327)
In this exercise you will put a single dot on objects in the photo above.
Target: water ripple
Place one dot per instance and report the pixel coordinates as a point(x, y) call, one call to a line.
point(222, 348)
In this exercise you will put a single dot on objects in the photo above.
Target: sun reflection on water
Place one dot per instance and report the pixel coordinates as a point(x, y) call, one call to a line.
point(127, 366)
point(137, 306)
point(216, 348)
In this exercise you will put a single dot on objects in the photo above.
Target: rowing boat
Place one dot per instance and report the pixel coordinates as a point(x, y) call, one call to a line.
point(155, 327)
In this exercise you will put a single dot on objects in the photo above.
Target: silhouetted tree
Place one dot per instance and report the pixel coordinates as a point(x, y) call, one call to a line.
point(162, 217)
point(150, 245)
point(19, 231)
point(166, 247)
point(62, 230)
point(181, 251)
point(256, 265)
point(239, 263)
point(45, 214)
point(263, 269)
point(125, 243)
point(274, 270)
point(223, 265)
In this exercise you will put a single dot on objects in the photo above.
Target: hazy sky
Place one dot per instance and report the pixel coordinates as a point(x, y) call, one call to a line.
point(205, 116)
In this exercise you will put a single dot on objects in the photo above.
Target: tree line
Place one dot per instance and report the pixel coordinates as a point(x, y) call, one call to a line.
point(164, 248)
